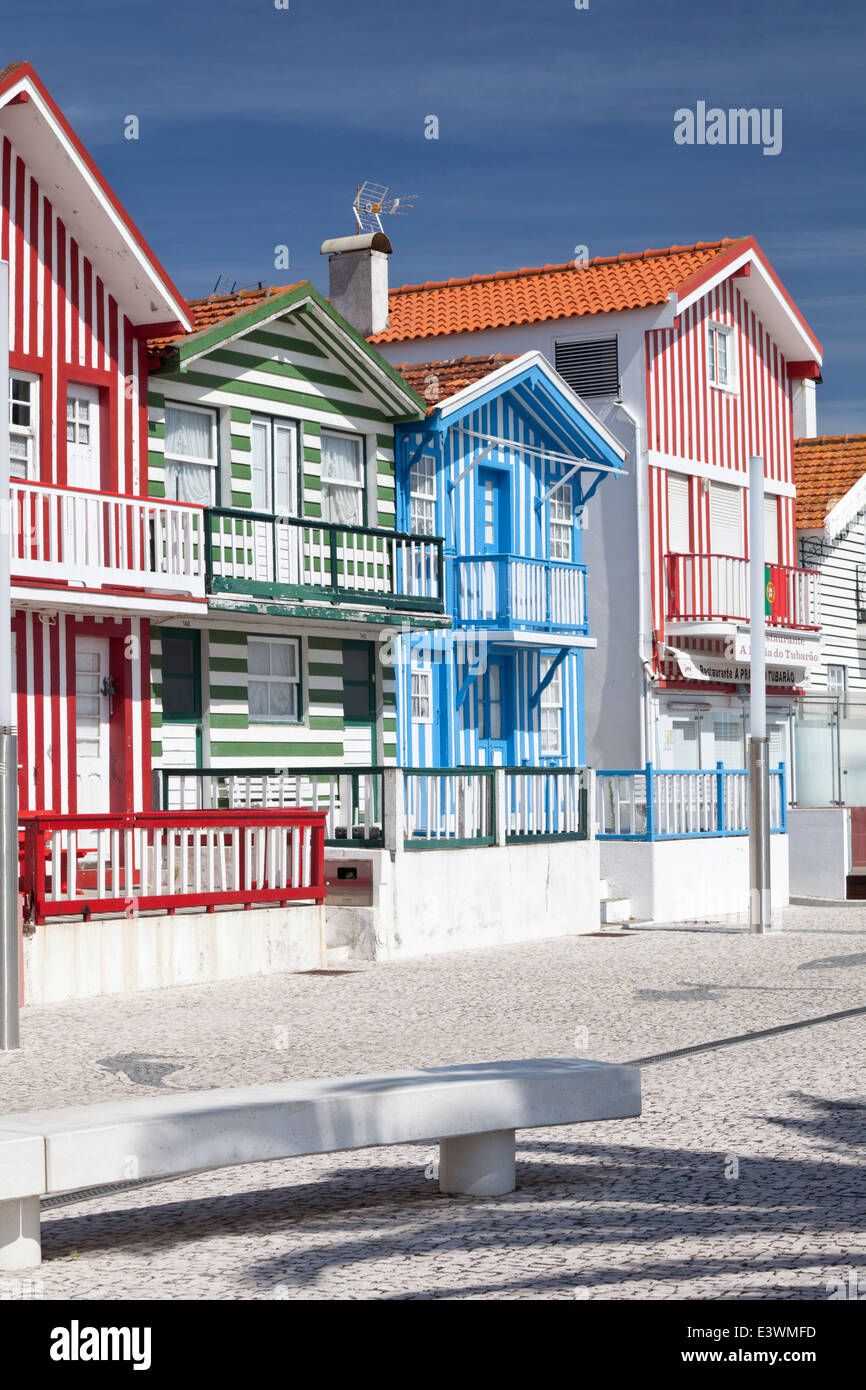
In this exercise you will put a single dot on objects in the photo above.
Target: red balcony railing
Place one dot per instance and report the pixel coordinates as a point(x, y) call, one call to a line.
point(715, 588)
point(164, 860)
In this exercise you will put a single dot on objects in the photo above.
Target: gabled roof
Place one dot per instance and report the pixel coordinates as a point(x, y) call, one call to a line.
point(827, 469)
point(603, 285)
point(80, 195)
point(221, 319)
point(541, 393)
point(216, 309)
point(436, 381)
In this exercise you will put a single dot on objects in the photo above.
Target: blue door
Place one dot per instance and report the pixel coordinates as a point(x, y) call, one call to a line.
point(494, 703)
point(492, 525)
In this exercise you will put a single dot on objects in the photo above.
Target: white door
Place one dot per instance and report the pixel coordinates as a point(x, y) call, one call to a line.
point(91, 724)
point(82, 436)
point(685, 749)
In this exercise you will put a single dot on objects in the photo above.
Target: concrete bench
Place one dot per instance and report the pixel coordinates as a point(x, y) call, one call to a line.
point(471, 1110)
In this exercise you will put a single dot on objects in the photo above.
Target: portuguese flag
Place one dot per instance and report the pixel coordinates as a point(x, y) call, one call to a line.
point(775, 594)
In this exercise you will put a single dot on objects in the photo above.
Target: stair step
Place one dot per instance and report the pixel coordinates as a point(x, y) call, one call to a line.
point(615, 909)
point(337, 955)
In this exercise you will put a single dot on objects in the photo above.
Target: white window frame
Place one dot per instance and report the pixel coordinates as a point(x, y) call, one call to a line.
point(30, 432)
point(200, 461)
point(421, 500)
point(836, 668)
point(560, 517)
point(274, 424)
point(551, 702)
point(268, 640)
point(349, 484)
point(715, 329)
point(421, 691)
point(771, 523)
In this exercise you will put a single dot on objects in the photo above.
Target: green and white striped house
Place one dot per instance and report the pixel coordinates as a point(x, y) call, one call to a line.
point(280, 419)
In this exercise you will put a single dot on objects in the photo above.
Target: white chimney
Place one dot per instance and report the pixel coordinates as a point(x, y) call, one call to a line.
point(358, 280)
point(805, 409)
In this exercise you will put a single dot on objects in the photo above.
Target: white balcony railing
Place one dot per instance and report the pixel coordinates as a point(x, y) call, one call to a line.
point(93, 539)
point(505, 589)
point(715, 588)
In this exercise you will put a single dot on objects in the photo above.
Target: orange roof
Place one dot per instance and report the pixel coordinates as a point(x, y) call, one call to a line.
point(449, 376)
point(216, 308)
point(824, 470)
point(607, 283)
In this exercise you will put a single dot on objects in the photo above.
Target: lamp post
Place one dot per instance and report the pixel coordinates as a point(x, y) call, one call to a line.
point(9, 940)
point(760, 915)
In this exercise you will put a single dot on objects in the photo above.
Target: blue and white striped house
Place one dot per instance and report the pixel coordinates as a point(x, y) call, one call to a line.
point(502, 467)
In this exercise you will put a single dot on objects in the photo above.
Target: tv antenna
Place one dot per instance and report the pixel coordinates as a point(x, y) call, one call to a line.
point(372, 201)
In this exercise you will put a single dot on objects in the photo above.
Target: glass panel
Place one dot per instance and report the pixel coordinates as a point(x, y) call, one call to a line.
point(258, 699)
point(495, 679)
point(260, 463)
point(282, 700)
point(178, 697)
point(356, 702)
point(356, 664)
point(188, 433)
point(178, 658)
point(259, 658)
point(190, 482)
point(852, 750)
point(284, 462)
point(87, 661)
point(282, 658)
point(344, 505)
point(815, 754)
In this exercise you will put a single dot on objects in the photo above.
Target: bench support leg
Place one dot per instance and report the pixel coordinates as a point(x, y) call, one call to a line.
point(478, 1165)
point(20, 1246)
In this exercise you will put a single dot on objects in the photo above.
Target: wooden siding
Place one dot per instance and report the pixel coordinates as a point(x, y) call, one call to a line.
point(841, 643)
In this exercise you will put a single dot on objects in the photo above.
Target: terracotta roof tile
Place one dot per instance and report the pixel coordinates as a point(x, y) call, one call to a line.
point(607, 283)
point(436, 381)
point(214, 309)
point(825, 469)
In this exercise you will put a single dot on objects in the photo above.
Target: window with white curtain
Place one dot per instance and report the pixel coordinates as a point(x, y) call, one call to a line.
point(422, 696)
point(23, 425)
point(343, 479)
point(679, 526)
point(551, 711)
point(422, 492)
point(273, 671)
point(771, 530)
point(561, 523)
point(190, 454)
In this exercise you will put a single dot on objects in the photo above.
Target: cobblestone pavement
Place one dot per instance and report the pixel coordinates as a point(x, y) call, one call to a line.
point(742, 1179)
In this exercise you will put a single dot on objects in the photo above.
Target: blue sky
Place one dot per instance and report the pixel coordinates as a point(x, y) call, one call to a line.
point(555, 130)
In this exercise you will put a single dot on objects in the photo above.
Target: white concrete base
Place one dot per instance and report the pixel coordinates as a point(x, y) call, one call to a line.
point(691, 880)
point(820, 851)
point(77, 960)
point(428, 901)
point(20, 1246)
point(478, 1165)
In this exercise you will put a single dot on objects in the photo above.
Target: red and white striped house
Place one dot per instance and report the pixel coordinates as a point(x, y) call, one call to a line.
point(92, 557)
point(697, 358)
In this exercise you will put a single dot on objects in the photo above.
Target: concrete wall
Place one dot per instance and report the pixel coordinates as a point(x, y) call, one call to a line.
point(690, 880)
point(76, 960)
point(426, 901)
point(820, 853)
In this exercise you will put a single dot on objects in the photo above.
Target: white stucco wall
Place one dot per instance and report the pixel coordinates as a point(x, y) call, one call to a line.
point(820, 853)
point(427, 901)
point(76, 960)
point(690, 880)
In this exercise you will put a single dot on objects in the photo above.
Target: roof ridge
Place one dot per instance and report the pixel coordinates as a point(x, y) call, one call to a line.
point(649, 254)
point(830, 439)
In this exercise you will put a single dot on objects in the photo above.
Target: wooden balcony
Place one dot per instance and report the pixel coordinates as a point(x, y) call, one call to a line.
point(260, 555)
point(714, 589)
point(518, 592)
point(72, 538)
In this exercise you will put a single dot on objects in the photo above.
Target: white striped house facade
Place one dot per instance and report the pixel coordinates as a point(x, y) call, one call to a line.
point(83, 292)
point(290, 366)
point(689, 439)
point(517, 592)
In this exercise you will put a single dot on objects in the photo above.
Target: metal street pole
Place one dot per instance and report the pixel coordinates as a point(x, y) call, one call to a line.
point(9, 939)
point(760, 914)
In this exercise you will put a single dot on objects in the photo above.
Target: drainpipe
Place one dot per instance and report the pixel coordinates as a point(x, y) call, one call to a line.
point(643, 631)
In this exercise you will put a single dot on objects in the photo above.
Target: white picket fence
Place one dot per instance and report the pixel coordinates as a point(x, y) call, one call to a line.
point(653, 804)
